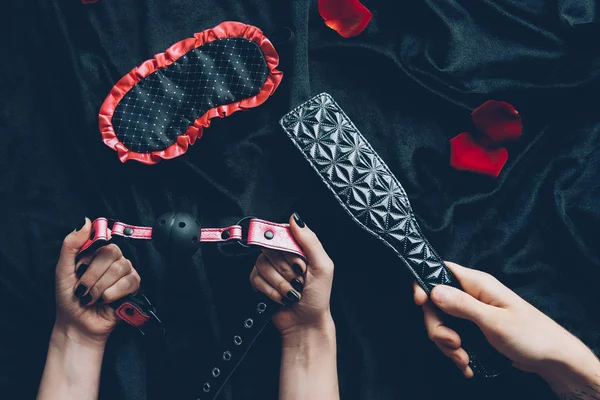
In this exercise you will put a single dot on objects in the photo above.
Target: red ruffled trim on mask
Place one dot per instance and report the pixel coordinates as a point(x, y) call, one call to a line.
point(346, 17)
point(224, 30)
point(469, 155)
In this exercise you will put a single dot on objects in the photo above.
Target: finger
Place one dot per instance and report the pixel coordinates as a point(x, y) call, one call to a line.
point(458, 356)
point(285, 269)
point(461, 359)
point(482, 286)
point(70, 247)
point(310, 244)
point(125, 286)
point(468, 372)
point(462, 305)
point(252, 275)
point(117, 270)
point(267, 271)
point(261, 285)
point(419, 294)
point(298, 264)
point(436, 330)
point(103, 258)
point(82, 265)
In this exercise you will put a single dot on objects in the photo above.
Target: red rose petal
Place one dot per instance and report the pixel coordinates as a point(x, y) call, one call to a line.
point(346, 17)
point(497, 121)
point(468, 155)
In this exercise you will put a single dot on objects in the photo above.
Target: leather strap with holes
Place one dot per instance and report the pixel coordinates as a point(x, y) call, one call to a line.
point(237, 344)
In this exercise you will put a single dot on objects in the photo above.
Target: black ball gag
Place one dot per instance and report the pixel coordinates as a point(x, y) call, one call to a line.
point(176, 233)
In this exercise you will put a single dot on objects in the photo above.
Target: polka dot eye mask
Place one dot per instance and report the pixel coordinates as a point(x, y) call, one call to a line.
point(162, 106)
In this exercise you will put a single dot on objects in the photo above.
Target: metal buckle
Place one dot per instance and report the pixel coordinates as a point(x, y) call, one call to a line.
point(244, 223)
point(150, 309)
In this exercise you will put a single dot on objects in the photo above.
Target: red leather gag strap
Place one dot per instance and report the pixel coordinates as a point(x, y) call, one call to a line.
point(272, 236)
point(260, 233)
point(133, 309)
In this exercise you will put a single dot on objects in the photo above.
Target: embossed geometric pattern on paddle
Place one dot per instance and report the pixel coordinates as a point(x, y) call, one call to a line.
point(363, 183)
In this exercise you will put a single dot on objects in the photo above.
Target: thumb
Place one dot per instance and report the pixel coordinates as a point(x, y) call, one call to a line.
point(310, 244)
point(71, 246)
point(460, 304)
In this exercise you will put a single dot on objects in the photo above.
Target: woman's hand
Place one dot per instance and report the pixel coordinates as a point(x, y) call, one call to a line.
point(533, 341)
point(306, 326)
point(303, 286)
point(84, 320)
point(83, 291)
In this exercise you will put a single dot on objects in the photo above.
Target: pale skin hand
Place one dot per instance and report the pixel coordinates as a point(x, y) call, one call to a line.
point(533, 341)
point(82, 323)
point(306, 325)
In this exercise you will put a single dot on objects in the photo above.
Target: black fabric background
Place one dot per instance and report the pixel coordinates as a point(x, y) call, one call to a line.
point(408, 82)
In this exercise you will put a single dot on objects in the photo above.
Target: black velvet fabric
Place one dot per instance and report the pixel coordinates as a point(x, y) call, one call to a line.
point(163, 105)
point(409, 82)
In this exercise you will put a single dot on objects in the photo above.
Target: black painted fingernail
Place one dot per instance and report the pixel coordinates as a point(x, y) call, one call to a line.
point(100, 300)
point(80, 290)
point(85, 299)
point(297, 269)
point(293, 296)
point(296, 284)
point(299, 221)
point(286, 301)
point(81, 270)
point(78, 229)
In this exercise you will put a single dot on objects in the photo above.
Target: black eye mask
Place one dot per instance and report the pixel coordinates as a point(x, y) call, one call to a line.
point(161, 107)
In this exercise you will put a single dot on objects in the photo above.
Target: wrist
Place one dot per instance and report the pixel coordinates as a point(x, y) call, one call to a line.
point(73, 365)
point(572, 366)
point(64, 335)
point(320, 330)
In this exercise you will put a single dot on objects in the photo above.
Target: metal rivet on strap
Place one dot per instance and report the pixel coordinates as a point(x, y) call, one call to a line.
point(206, 387)
point(128, 231)
point(237, 340)
point(269, 235)
point(129, 311)
point(225, 235)
point(227, 356)
point(216, 372)
point(261, 307)
point(248, 323)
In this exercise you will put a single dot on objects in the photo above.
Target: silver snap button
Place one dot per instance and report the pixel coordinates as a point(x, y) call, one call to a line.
point(206, 387)
point(227, 356)
point(261, 307)
point(216, 372)
point(269, 235)
point(248, 323)
point(237, 340)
